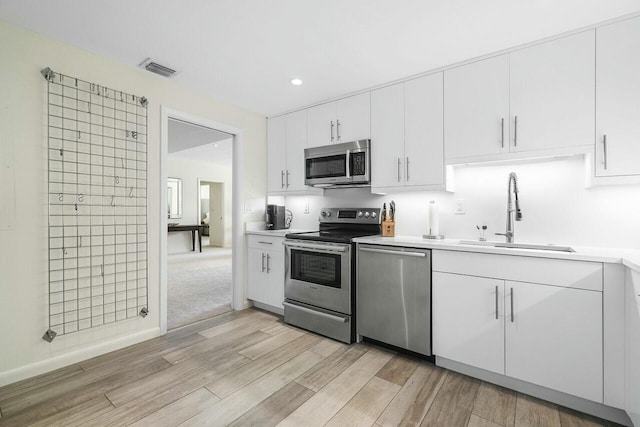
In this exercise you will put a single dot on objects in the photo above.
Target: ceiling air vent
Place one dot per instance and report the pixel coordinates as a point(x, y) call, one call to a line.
point(150, 65)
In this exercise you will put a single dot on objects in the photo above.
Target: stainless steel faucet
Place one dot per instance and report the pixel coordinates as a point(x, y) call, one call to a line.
point(511, 212)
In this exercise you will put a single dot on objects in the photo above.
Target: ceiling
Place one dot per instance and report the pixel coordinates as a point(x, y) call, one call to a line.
point(246, 51)
point(200, 144)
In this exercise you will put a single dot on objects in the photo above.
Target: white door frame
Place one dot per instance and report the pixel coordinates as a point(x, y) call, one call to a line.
point(237, 230)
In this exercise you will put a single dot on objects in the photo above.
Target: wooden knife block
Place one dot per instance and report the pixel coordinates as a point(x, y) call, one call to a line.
point(388, 228)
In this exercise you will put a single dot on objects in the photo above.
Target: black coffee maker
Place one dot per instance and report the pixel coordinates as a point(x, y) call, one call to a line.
point(276, 217)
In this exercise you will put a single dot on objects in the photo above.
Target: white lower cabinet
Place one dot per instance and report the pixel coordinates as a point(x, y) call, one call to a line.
point(468, 324)
point(265, 271)
point(632, 347)
point(553, 338)
point(544, 334)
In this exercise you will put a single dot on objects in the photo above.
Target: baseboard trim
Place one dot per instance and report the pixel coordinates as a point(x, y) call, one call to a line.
point(579, 404)
point(267, 307)
point(57, 362)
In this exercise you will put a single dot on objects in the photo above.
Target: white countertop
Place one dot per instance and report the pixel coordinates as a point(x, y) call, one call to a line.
point(628, 257)
point(275, 233)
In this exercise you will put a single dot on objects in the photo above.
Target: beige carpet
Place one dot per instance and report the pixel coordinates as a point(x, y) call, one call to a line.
point(199, 285)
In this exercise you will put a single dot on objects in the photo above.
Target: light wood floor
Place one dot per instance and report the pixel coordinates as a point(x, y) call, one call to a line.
point(248, 368)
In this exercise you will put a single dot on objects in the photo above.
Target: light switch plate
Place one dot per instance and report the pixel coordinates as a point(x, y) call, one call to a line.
point(461, 207)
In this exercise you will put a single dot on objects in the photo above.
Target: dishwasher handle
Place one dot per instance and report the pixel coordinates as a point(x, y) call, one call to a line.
point(390, 252)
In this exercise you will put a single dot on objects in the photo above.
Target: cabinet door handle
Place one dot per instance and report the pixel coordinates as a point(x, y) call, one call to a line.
point(604, 151)
point(502, 132)
point(331, 130)
point(497, 316)
point(407, 169)
point(268, 263)
point(511, 305)
point(338, 129)
point(263, 262)
point(281, 179)
point(398, 169)
point(515, 131)
point(287, 179)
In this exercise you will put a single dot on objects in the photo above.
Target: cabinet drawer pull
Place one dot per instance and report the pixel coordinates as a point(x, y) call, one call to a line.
point(511, 305)
point(265, 243)
point(497, 316)
point(263, 262)
point(515, 131)
point(604, 151)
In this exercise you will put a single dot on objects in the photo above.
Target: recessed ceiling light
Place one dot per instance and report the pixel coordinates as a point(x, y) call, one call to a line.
point(296, 81)
point(215, 145)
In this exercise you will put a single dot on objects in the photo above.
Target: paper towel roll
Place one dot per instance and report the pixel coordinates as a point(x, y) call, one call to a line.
point(434, 219)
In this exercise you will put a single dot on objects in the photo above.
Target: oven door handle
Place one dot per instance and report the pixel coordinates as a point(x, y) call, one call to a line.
point(317, 247)
point(316, 313)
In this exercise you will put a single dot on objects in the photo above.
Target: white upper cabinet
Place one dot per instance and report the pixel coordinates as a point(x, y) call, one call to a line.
point(345, 120)
point(321, 125)
point(286, 141)
point(276, 147)
point(618, 99)
point(406, 135)
point(423, 131)
point(353, 118)
point(553, 94)
point(476, 109)
point(387, 136)
point(296, 143)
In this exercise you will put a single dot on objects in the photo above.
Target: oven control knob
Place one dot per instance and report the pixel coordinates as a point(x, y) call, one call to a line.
point(323, 213)
point(366, 214)
point(360, 214)
point(328, 213)
point(373, 215)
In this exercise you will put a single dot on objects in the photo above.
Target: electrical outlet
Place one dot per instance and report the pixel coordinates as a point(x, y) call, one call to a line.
point(248, 209)
point(461, 207)
point(306, 207)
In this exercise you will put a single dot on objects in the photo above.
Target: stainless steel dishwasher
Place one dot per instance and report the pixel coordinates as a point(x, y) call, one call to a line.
point(393, 288)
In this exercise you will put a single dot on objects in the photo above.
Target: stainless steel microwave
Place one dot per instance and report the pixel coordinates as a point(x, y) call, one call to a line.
point(347, 164)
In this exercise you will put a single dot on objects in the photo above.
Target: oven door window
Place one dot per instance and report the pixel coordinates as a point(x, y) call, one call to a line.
point(318, 268)
point(326, 167)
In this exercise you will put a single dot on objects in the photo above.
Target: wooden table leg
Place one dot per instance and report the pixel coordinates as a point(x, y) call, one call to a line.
point(193, 240)
point(200, 238)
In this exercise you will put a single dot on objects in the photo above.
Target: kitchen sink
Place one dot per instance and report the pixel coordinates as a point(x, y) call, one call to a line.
point(548, 247)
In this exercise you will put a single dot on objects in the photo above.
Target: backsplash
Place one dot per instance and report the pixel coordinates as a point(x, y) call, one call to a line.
point(555, 205)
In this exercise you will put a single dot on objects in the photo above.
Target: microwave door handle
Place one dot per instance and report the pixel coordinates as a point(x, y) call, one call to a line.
point(348, 166)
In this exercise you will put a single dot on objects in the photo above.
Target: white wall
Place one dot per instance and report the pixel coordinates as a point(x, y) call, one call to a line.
point(23, 249)
point(191, 171)
point(555, 205)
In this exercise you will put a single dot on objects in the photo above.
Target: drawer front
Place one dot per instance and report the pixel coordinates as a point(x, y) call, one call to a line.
point(548, 271)
point(265, 242)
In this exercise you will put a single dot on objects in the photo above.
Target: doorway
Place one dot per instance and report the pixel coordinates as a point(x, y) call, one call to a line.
point(199, 261)
point(212, 214)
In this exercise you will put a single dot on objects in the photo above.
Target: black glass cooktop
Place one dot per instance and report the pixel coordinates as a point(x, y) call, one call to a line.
point(334, 235)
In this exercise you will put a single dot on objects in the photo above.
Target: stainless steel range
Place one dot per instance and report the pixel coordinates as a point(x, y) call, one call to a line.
point(320, 272)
